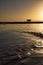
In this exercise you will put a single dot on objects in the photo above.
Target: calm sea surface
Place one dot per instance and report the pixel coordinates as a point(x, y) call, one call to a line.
point(15, 42)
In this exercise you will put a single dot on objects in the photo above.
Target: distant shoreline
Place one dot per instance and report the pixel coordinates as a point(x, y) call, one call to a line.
point(21, 22)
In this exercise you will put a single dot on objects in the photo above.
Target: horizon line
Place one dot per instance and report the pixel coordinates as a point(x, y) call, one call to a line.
point(25, 22)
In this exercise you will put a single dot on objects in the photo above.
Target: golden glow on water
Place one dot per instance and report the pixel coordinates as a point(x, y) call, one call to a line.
point(41, 27)
point(27, 27)
point(36, 27)
point(39, 51)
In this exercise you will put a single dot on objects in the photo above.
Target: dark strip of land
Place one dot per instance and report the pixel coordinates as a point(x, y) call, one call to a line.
point(21, 22)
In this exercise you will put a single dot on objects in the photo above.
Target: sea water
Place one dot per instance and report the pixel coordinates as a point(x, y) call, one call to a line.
point(16, 42)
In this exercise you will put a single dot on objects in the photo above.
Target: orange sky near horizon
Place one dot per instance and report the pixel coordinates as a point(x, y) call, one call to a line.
point(20, 11)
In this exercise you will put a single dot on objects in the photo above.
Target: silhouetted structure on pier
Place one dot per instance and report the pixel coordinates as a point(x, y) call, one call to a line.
point(28, 20)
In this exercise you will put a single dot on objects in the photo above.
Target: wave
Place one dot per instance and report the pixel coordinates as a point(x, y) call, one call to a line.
point(37, 34)
point(15, 54)
point(18, 54)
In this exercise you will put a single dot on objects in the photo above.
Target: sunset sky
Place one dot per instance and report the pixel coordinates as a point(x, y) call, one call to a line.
point(20, 10)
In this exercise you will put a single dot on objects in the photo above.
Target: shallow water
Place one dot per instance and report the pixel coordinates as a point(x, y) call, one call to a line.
point(15, 44)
